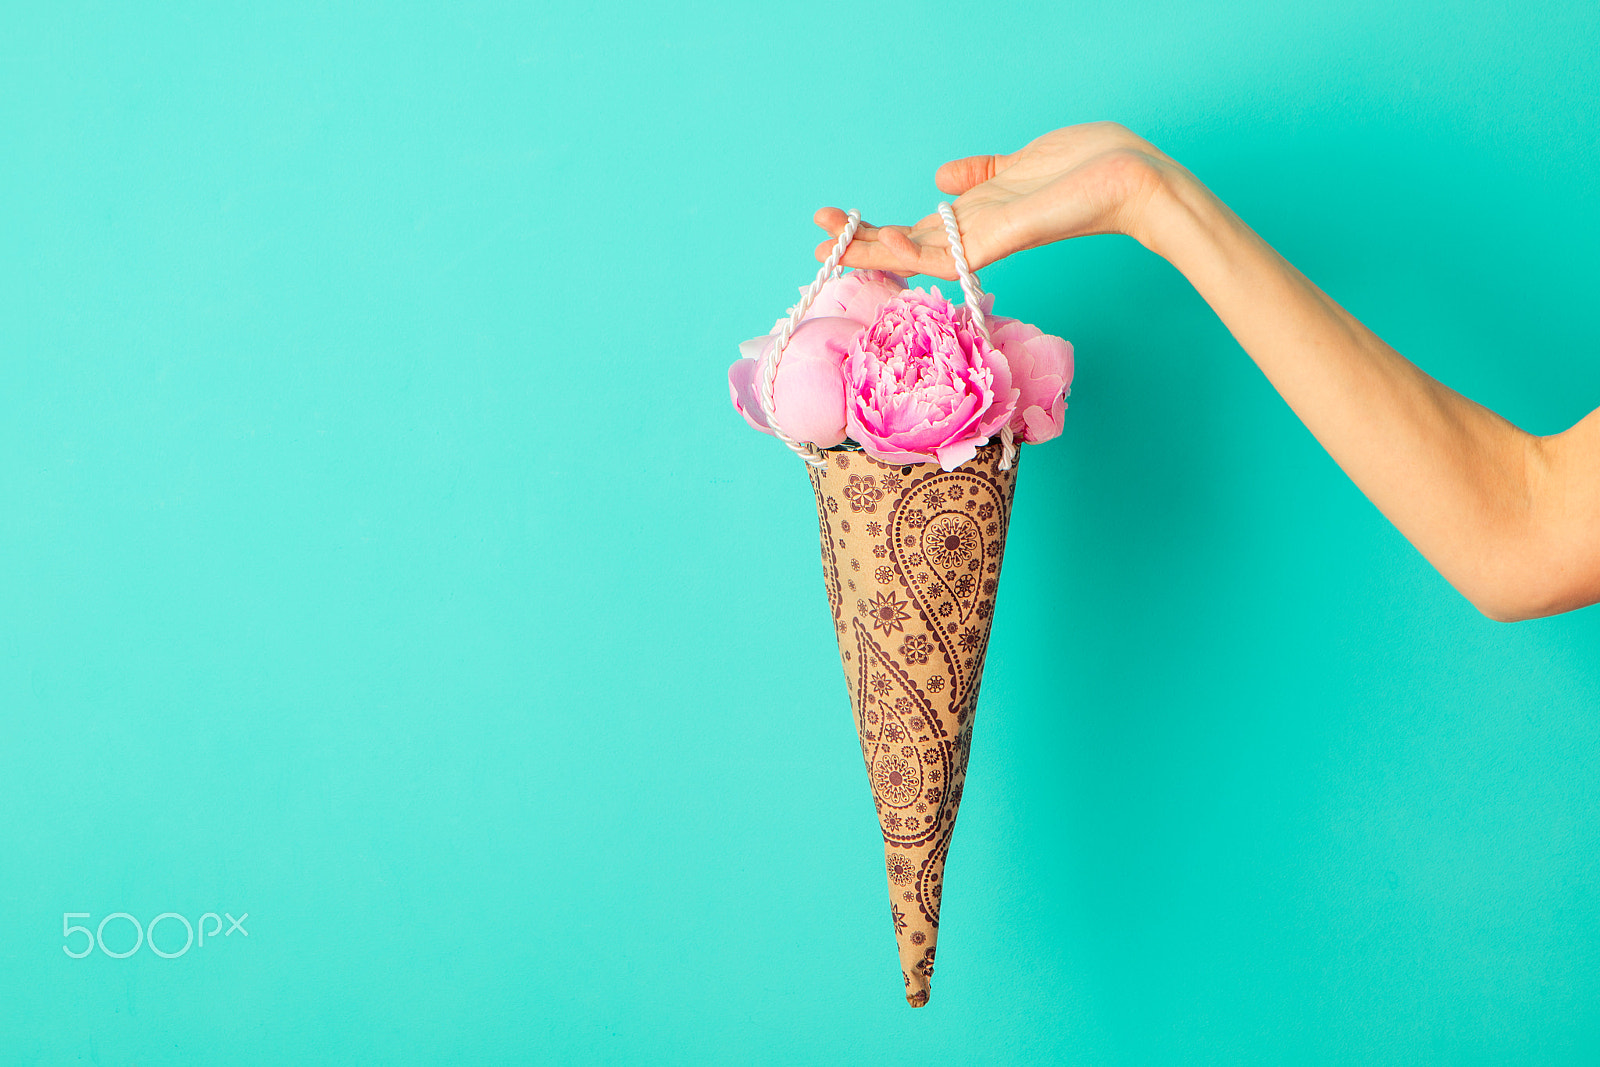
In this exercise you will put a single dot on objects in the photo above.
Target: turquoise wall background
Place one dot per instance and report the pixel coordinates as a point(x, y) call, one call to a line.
point(383, 561)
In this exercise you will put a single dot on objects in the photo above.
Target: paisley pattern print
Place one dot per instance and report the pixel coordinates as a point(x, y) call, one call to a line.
point(830, 568)
point(912, 638)
point(909, 759)
point(937, 543)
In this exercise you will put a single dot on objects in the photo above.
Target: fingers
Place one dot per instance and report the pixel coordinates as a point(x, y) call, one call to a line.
point(869, 252)
point(896, 243)
point(833, 220)
point(876, 255)
point(830, 219)
point(959, 175)
point(890, 248)
point(905, 250)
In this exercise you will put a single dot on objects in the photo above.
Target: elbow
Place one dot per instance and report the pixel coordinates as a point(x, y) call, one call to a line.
point(1547, 563)
point(1534, 595)
point(1509, 609)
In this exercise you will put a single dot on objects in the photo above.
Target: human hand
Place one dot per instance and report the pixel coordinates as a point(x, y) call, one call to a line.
point(1091, 178)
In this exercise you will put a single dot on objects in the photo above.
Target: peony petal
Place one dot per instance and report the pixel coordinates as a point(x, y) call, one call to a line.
point(891, 455)
point(1051, 355)
point(809, 389)
point(1006, 397)
point(1041, 425)
point(827, 337)
point(1006, 333)
point(809, 400)
point(954, 455)
point(755, 347)
point(857, 295)
point(742, 390)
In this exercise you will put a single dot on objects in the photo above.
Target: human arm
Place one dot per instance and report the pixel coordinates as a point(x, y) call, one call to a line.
point(1512, 520)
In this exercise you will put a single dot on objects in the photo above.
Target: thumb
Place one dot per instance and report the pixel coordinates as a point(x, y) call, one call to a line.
point(959, 175)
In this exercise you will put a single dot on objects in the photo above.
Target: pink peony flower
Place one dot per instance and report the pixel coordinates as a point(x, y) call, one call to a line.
point(921, 385)
point(808, 393)
point(1041, 369)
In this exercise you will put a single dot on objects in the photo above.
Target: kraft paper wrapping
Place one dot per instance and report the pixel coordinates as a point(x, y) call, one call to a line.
point(911, 558)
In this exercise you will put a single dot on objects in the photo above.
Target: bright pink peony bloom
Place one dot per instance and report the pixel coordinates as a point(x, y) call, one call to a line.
point(1041, 369)
point(921, 385)
point(808, 393)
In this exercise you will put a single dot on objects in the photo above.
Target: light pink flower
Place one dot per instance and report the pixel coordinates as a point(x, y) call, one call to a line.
point(808, 393)
point(921, 385)
point(1041, 369)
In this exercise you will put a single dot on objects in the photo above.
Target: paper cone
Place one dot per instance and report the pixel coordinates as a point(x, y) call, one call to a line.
point(911, 557)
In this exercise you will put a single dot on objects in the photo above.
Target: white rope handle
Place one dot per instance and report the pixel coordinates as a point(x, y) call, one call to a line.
point(769, 366)
point(972, 294)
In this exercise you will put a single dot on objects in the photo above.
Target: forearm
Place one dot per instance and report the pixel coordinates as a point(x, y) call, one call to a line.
point(1456, 479)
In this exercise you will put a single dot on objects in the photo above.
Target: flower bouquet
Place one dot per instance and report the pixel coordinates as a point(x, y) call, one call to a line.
point(907, 410)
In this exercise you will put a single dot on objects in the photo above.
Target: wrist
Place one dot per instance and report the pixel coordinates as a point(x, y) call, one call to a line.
point(1179, 218)
point(1162, 207)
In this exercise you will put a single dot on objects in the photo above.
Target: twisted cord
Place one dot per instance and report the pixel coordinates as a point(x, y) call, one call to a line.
point(769, 366)
point(971, 294)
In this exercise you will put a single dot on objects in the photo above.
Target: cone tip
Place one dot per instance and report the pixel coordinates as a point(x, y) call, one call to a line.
point(917, 999)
